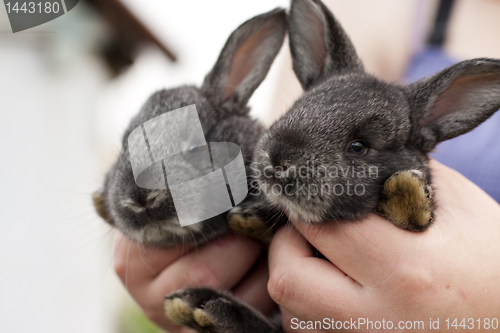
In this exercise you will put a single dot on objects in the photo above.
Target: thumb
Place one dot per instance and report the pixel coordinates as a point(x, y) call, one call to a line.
point(309, 287)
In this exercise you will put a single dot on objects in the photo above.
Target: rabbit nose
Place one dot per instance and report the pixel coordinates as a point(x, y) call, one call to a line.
point(285, 148)
point(142, 203)
point(277, 162)
point(150, 202)
point(280, 172)
point(279, 166)
point(146, 200)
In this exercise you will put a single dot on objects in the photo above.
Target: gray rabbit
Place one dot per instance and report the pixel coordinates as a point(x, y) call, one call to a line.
point(148, 216)
point(352, 144)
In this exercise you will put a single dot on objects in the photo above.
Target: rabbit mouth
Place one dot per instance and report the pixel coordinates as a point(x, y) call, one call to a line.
point(297, 213)
point(160, 231)
point(306, 211)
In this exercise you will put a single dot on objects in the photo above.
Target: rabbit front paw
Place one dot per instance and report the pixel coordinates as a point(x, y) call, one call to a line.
point(187, 308)
point(245, 220)
point(210, 311)
point(406, 200)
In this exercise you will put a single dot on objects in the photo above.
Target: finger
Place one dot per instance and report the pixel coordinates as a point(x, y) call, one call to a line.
point(453, 193)
point(288, 244)
point(371, 249)
point(252, 289)
point(303, 284)
point(220, 265)
point(363, 249)
point(138, 264)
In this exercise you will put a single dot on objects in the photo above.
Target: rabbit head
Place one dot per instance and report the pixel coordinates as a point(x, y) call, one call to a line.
point(149, 216)
point(328, 157)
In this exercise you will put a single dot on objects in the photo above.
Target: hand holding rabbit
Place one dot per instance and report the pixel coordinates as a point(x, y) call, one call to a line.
point(380, 272)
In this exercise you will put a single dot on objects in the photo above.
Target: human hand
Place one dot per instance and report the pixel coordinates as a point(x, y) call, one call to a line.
point(149, 274)
point(380, 272)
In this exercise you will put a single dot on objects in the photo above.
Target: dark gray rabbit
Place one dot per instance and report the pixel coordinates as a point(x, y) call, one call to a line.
point(353, 144)
point(350, 145)
point(149, 216)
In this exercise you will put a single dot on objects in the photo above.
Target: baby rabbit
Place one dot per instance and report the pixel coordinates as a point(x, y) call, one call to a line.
point(352, 143)
point(149, 216)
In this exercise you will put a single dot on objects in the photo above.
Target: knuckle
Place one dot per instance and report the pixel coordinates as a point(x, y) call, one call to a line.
point(120, 266)
point(278, 286)
point(202, 275)
point(312, 232)
point(414, 280)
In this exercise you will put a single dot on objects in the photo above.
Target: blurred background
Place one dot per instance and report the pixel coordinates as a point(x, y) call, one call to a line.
point(68, 89)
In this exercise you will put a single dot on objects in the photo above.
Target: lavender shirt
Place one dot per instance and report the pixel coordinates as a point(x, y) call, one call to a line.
point(476, 154)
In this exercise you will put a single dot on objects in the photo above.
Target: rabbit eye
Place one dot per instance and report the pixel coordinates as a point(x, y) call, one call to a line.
point(357, 148)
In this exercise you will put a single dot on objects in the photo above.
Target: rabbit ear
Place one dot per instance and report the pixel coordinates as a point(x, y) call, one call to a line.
point(454, 101)
point(245, 60)
point(318, 43)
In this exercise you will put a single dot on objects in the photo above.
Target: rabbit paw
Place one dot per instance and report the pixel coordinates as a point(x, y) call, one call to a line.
point(187, 307)
point(210, 311)
point(244, 220)
point(406, 200)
